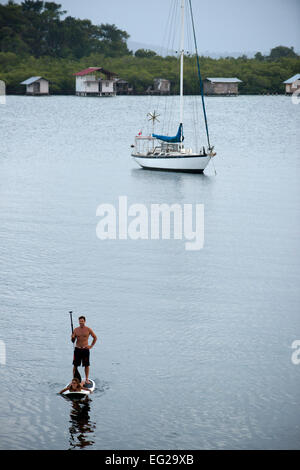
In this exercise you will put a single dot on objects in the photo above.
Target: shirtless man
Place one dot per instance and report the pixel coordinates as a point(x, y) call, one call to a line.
point(82, 349)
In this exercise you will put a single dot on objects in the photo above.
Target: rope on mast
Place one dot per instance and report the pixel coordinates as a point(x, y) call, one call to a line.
point(199, 76)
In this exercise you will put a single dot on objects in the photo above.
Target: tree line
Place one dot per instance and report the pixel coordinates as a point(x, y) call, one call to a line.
point(35, 28)
point(38, 39)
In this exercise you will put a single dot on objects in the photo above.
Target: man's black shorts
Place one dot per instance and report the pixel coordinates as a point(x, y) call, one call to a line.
point(81, 356)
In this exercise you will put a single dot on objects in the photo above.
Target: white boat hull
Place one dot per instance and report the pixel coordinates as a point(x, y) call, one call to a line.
point(191, 163)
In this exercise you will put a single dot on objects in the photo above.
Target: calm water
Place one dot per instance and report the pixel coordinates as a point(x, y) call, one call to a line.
point(194, 348)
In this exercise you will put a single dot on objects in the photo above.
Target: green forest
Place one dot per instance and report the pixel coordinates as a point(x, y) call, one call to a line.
point(37, 38)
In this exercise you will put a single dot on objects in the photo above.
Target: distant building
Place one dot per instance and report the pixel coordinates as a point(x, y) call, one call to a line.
point(123, 87)
point(161, 86)
point(89, 84)
point(36, 86)
point(221, 86)
point(292, 84)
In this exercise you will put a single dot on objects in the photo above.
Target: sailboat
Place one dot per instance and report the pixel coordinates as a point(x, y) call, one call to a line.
point(163, 152)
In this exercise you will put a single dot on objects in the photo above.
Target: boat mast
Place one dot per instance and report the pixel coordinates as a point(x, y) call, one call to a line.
point(181, 61)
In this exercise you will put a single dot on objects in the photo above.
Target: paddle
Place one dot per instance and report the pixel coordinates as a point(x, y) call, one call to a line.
point(76, 373)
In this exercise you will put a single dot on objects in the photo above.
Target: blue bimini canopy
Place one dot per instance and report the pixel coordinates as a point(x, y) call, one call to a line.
point(177, 138)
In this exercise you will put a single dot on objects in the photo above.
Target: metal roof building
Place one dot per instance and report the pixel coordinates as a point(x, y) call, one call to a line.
point(292, 84)
point(221, 86)
point(89, 84)
point(91, 70)
point(293, 79)
point(224, 80)
point(36, 86)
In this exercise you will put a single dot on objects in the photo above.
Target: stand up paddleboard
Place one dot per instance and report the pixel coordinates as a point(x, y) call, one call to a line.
point(79, 395)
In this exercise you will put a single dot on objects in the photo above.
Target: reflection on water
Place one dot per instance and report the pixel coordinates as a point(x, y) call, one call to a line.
point(81, 427)
point(173, 178)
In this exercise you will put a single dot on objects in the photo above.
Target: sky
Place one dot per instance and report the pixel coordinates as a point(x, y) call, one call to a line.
point(222, 25)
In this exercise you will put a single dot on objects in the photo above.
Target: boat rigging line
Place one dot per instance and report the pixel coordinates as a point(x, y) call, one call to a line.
point(199, 75)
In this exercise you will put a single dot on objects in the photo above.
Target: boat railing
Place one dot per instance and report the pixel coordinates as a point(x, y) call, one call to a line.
point(151, 146)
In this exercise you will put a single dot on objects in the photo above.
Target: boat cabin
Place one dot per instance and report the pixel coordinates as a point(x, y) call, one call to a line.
point(221, 86)
point(95, 81)
point(151, 146)
point(292, 84)
point(36, 86)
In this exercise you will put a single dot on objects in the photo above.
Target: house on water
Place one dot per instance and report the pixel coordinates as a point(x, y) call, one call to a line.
point(161, 86)
point(292, 84)
point(123, 87)
point(221, 86)
point(95, 81)
point(36, 86)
